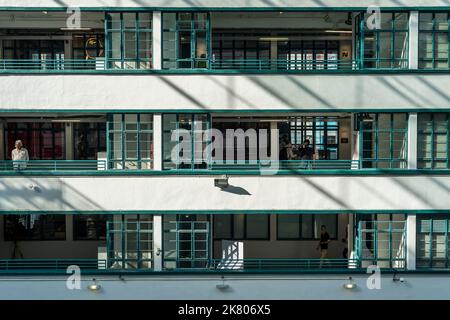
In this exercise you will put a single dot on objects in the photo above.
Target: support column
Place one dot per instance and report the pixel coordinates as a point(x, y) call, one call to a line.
point(274, 52)
point(355, 136)
point(412, 141)
point(69, 140)
point(69, 227)
point(157, 242)
point(157, 40)
point(157, 142)
point(3, 153)
point(411, 242)
point(350, 234)
point(413, 43)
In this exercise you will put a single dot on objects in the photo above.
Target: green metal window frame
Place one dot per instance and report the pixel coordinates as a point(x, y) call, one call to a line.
point(381, 232)
point(428, 253)
point(140, 232)
point(123, 62)
point(434, 32)
point(186, 243)
point(193, 28)
point(299, 128)
point(119, 129)
point(392, 161)
point(313, 222)
point(244, 230)
point(430, 132)
point(362, 33)
point(181, 163)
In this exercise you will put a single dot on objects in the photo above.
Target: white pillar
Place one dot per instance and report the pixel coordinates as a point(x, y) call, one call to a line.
point(350, 233)
point(411, 242)
point(157, 242)
point(157, 142)
point(413, 50)
point(157, 40)
point(412, 141)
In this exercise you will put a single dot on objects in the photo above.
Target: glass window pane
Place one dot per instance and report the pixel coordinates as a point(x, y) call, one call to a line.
point(426, 21)
point(222, 226)
point(441, 21)
point(307, 226)
point(35, 227)
point(425, 45)
point(238, 226)
point(441, 46)
point(257, 226)
point(288, 226)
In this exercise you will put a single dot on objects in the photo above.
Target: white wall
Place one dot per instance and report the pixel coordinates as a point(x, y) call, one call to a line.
point(163, 193)
point(241, 287)
point(223, 4)
point(230, 92)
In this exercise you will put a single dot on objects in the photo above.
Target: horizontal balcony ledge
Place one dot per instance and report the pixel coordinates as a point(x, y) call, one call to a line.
point(232, 275)
point(233, 6)
point(229, 211)
point(213, 173)
point(221, 72)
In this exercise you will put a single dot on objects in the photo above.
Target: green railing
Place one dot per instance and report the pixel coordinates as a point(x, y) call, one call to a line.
point(281, 264)
point(31, 166)
point(52, 64)
point(243, 65)
point(52, 165)
point(288, 165)
point(283, 64)
point(50, 264)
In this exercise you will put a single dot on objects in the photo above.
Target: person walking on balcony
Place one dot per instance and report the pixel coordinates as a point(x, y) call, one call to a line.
point(19, 156)
point(323, 244)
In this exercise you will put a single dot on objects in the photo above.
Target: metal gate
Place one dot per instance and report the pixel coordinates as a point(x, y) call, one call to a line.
point(186, 244)
point(129, 244)
point(382, 243)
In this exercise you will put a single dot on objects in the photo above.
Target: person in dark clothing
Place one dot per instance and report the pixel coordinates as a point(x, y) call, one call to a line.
point(82, 147)
point(306, 152)
point(323, 244)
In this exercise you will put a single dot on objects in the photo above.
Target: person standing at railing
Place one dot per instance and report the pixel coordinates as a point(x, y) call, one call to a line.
point(82, 147)
point(323, 244)
point(306, 153)
point(305, 150)
point(19, 156)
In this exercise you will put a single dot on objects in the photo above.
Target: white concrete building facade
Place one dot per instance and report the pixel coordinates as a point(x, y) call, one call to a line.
point(283, 148)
